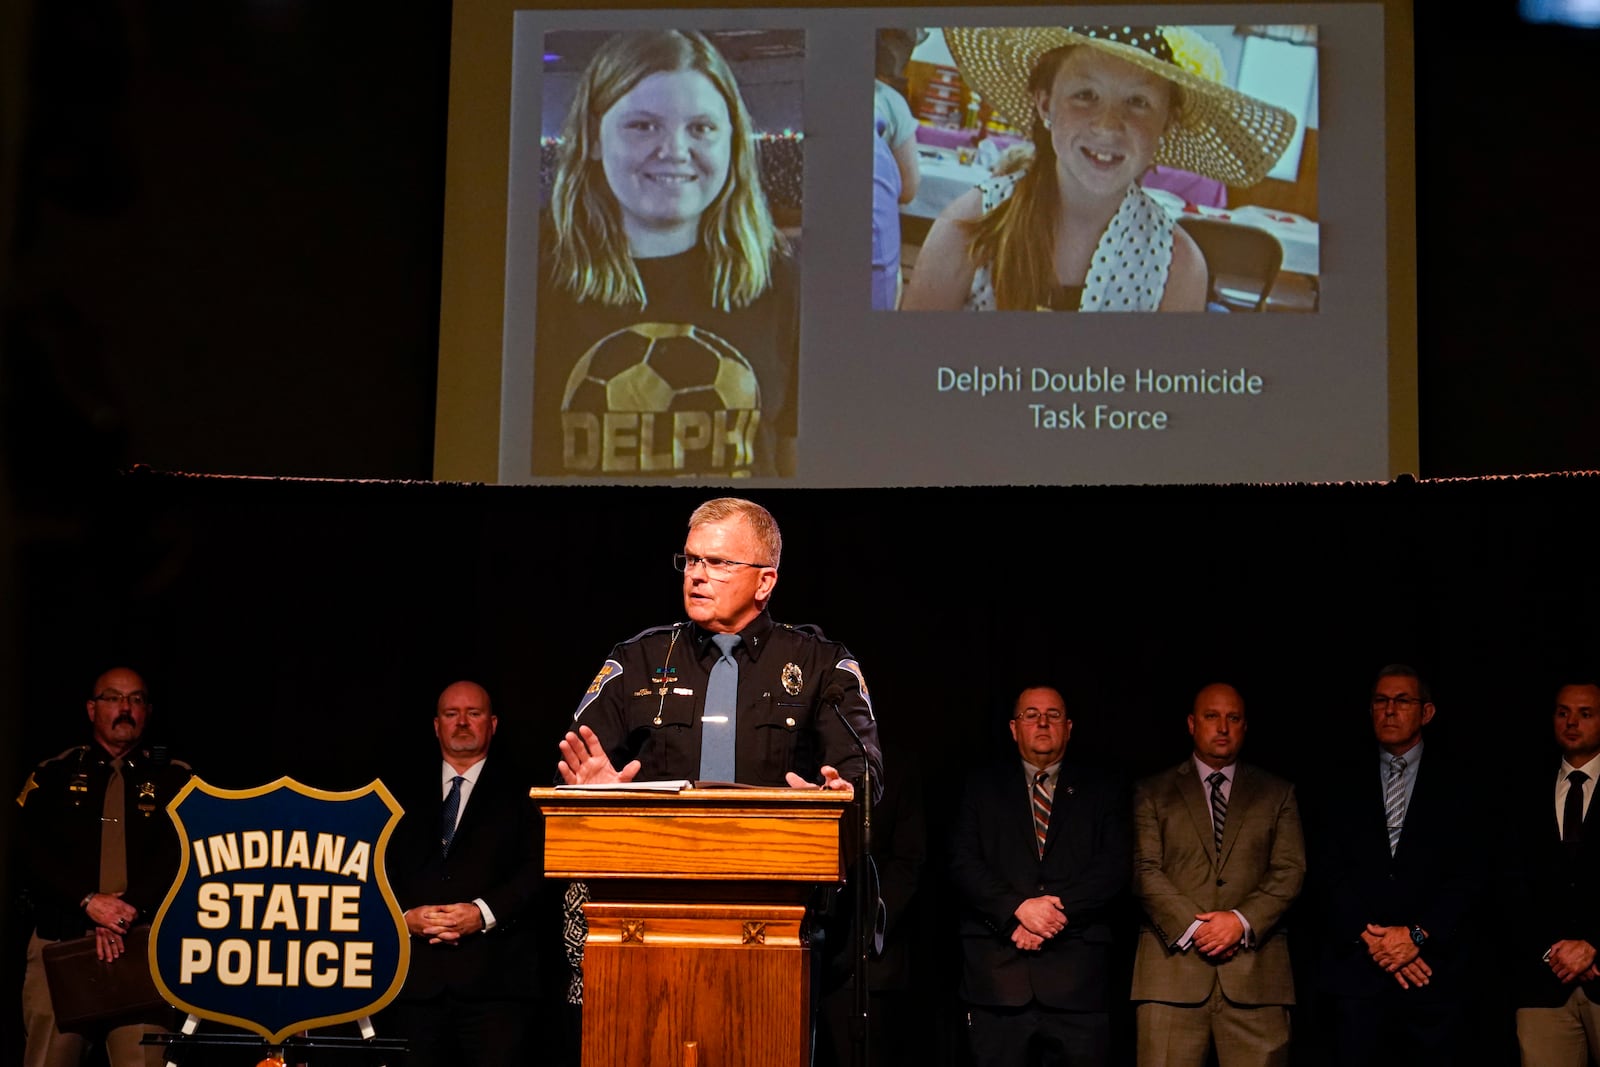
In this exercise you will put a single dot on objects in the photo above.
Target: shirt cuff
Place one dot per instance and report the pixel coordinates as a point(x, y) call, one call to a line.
point(1249, 938)
point(488, 913)
point(1183, 943)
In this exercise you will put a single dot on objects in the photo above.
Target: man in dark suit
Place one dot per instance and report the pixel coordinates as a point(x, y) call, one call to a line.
point(1397, 862)
point(1556, 915)
point(1041, 850)
point(1218, 858)
point(467, 867)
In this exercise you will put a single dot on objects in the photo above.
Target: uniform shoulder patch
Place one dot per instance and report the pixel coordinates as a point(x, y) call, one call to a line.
point(855, 668)
point(609, 670)
point(27, 787)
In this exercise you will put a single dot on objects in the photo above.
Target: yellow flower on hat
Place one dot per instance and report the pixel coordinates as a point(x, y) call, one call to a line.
point(1195, 54)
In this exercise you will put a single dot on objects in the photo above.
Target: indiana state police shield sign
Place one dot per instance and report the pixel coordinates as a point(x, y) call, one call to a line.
point(282, 917)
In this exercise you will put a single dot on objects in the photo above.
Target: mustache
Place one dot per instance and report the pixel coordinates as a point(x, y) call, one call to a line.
point(124, 717)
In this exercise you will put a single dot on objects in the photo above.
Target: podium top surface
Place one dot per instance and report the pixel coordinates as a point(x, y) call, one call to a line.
point(788, 835)
point(632, 794)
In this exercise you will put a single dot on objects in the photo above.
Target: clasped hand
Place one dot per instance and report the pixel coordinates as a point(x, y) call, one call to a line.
point(112, 917)
point(1039, 919)
point(1392, 949)
point(444, 923)
point(1573, 961)
point(1220, 934)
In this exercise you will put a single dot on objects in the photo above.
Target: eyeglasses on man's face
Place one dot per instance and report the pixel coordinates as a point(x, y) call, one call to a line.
point(716, 567)
point(136, 699)
point(1401, 704)
point(1032, 715)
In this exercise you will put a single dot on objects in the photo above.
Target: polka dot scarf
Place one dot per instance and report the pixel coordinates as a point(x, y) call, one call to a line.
point(1128, 271)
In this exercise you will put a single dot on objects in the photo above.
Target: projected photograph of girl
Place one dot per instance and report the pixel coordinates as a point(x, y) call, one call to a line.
point(667, 322)
point(1113, 168)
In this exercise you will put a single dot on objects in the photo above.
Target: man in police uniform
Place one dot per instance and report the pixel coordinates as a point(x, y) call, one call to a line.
point(102, 854)
point(666, 704)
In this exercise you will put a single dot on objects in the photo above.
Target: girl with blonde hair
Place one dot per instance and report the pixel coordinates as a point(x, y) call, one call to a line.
point(667, 320)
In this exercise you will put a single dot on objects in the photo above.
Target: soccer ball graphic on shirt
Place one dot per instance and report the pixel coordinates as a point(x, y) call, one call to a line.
point(660, 398)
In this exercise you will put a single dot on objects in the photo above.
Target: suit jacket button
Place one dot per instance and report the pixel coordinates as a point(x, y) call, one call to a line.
point(1222, 881)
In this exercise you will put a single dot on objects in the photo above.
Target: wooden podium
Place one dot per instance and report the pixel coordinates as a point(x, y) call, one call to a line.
point(698, 951)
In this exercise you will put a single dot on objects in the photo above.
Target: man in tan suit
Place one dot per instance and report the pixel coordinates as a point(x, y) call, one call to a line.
point(1218, 857)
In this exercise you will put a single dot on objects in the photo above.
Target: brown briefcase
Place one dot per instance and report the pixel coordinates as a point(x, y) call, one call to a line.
point(90, 995)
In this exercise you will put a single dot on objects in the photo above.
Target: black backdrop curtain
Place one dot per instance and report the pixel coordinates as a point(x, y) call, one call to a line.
point(305, 627)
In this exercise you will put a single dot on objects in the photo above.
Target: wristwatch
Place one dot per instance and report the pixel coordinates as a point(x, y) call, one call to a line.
point(1418, 937)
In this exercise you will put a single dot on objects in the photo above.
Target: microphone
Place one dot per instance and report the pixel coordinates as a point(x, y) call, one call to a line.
point(833, 696)
point(868, 896)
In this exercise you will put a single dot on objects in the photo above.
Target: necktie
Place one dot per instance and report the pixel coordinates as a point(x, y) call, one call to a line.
point(1394, 801)
point(1041, 809)
point(1219, 807)
point(1572, 810)
point(720, 720)
point(113, 839)
point(452, 807)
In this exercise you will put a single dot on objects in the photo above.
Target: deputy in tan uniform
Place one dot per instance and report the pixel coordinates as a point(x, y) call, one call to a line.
point(101, 855)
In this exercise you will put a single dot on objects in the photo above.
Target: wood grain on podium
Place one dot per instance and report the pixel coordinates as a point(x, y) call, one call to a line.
point(691, 975)
point(697, 950)
point(781, 835)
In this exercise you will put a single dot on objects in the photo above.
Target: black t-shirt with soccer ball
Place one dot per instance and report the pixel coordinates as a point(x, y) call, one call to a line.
point(671, 389)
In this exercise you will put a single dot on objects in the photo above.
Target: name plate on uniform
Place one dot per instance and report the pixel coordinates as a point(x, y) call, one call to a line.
point(282, 917)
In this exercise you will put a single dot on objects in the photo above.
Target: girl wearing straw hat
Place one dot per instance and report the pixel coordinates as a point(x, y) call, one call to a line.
point(1071, 230)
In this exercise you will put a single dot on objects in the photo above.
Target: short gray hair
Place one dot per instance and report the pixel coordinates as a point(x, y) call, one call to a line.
point(762, 524)
point(1403, 670)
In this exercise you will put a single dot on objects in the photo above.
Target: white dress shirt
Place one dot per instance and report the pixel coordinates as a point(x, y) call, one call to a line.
point(1592, 768)
point(470, 776)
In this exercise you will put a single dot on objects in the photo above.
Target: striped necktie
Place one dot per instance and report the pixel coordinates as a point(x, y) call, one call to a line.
point(1219, 807)
point(452, 808)
point(1394, 801)
point(1041, 809)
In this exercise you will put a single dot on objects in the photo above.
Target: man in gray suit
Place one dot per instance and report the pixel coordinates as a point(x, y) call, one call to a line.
point(1218, 859)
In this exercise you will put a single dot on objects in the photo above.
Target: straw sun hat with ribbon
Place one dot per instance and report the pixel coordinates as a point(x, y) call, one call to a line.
point(1220, 132)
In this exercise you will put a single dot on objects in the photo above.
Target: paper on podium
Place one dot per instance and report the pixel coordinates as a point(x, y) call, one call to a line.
point(675, 785)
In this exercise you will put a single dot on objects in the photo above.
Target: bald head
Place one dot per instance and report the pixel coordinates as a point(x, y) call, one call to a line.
point(1217, 724)
point(464, 723)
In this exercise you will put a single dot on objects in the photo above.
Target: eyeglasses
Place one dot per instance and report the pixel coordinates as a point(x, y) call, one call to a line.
point(1401, 704)
point(720, 569)
point(1032, 715)
point(135, 699)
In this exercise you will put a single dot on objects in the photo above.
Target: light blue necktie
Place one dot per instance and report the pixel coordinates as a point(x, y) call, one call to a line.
point(720, 719)
point(452, 805)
